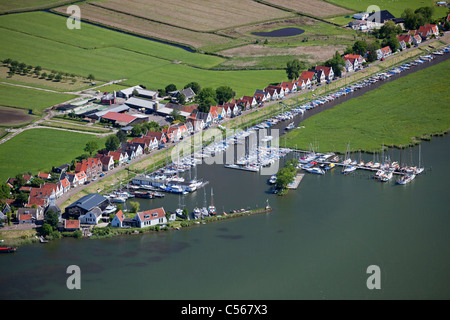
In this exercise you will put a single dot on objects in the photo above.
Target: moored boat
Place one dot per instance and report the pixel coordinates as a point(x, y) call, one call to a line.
point(315, 170)
point(406, 178)
point(7, 249)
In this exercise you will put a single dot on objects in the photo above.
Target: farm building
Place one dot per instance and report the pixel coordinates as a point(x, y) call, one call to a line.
point(122, 119)
point(138, 103)
point(108, 98)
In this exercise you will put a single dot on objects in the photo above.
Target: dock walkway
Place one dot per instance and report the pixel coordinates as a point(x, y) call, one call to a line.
point(298, 179)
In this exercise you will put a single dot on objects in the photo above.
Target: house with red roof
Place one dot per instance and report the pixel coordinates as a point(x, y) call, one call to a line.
point(159, 136)
point(407, 38)
point(44, 175)
point(40, 197)
point(247, 102)
point(384, 52)
point(353, 62)
point(29, 215)
point(118, 156)
point(231, 109)
point(219, 111)
point(107, 162)
point(428, 30)
point(56, 187)
point(91, 166)
point(308, 75)
point(276, 92)
point(117, 221)
point(327, 71)
point(65, 185)
point(289, 86)
point(150, 218)
point(71, 225)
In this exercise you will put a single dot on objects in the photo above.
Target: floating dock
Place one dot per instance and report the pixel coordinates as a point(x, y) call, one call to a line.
point(298, 179)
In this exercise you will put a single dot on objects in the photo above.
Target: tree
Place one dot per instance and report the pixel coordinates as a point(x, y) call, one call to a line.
point(293, 69)
point(22, 198)
point(134, 206)
point(46, 229)
point(20, 181)
point(121, 135)
point(170, 87)
point(52, 218)
point(360, 47)
point(91, 146)
point(112, 143)
point(194, 86)
point(5, 191)
point(392, 42)
point(206, 104)
point(136, 131)
point(206, 98)
point(181, 99)
point(337, 63)
point(91, 77)
point(223, 94)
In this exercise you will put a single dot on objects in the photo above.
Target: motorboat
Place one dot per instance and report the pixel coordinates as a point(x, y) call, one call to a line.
point(315, 170)
point(349, 169)
point(273, 179)
point(406, 178)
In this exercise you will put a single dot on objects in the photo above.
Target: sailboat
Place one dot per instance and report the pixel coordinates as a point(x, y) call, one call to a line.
point(212, 208)
point(204, 209)
point(347, 168)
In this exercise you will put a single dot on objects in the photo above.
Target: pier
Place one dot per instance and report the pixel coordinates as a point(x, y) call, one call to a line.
point(294, 185)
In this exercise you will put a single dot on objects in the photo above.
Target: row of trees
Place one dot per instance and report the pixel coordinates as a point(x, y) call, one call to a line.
point(205, 97)
point(16, 67)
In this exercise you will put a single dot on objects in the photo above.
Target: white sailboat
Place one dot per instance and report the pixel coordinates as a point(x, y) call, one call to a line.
point(212, 208)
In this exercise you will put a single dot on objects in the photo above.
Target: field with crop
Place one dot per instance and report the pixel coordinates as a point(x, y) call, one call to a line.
point(317, 8)
point(197, 15)
point(202, 41)
point(15, 6)
point(396, 113)
point(39, 149)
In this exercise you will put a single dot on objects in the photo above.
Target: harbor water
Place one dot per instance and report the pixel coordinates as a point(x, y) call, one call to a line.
point(316, 243)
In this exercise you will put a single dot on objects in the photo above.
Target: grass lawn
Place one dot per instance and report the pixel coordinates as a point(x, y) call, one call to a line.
point(111, 55)
point(39, 149)
point(396, 113)
point(37, 100)
point(396, 7)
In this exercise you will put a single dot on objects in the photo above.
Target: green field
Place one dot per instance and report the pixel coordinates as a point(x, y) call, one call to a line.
point(39, 149)
point(396, 7)
point(396, 113)
point(37, 100)
point(111, 55)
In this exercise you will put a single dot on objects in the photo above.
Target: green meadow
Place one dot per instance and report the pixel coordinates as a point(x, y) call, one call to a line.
point(398, 113)
point(38, 150)
point(396, 7)
point(112, 55)
point(25, 98)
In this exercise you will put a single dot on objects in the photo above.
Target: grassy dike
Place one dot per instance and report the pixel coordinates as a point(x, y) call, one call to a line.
point(397, 114)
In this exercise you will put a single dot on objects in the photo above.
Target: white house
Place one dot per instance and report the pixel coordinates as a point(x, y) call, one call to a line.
point(150, 217)
point(91, 217)
point(117, 221)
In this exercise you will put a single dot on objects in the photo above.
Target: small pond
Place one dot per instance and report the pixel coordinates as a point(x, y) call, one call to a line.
point(284, 32)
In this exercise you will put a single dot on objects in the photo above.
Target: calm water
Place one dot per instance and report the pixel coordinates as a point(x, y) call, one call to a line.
point(284, 32)
point(316, 244)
